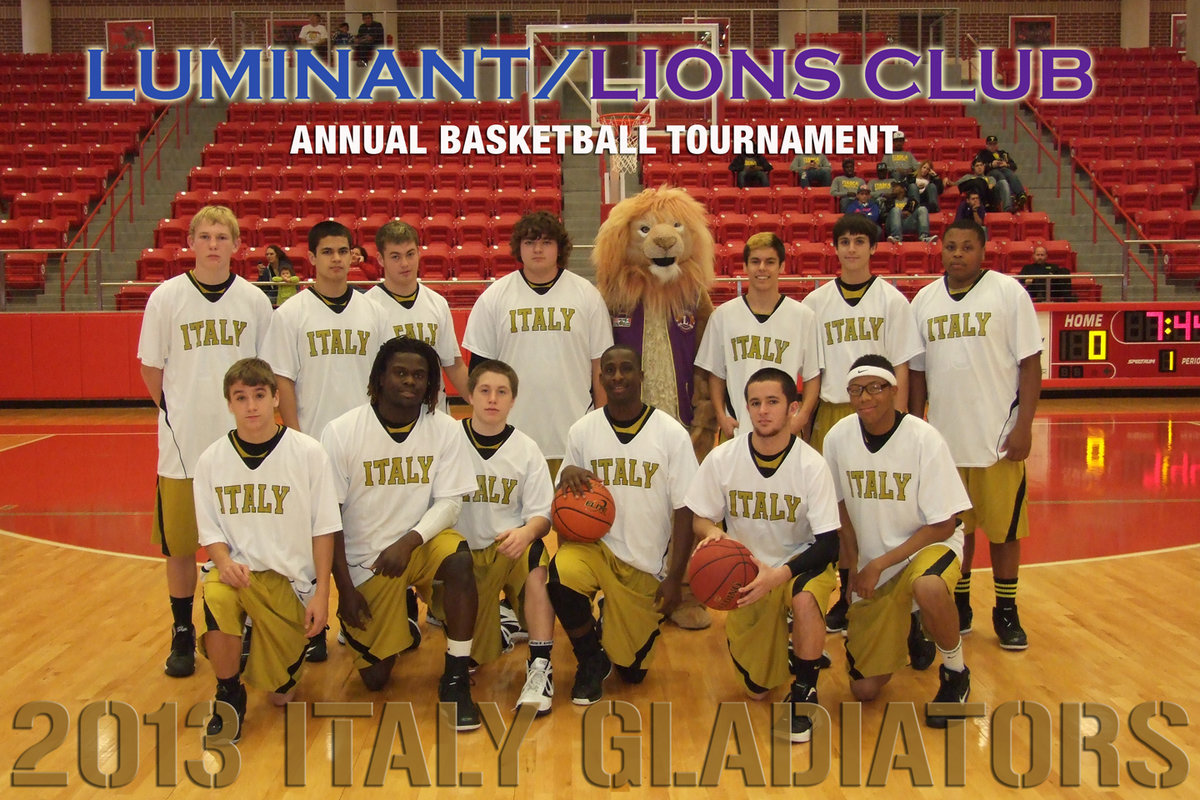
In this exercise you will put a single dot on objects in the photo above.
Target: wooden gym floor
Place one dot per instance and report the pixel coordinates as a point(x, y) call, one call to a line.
point(1106, 598)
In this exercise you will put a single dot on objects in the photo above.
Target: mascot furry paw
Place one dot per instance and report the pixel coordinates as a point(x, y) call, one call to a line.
point(654, 264)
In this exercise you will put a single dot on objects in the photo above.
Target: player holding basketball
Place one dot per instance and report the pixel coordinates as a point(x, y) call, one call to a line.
point(194, 327)
point(412, 308)
point(856, 314)
point(401, 468)
point(898, 496)
point(272, 546)
point(762, 328)
point(645, 458)
point(775, 494)
point(504, 520)
point(551, 326)
point(982, 373)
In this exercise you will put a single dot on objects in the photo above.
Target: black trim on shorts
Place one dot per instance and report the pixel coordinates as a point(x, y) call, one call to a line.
point(359, 647)
point(644, 650)
point(210, 621)
point(536, 548)
point(805, 577)
point(854, 673)
point(941, 565)
point(1016, 512)
point(750, 684)
point(292, 670)
point(158, 515)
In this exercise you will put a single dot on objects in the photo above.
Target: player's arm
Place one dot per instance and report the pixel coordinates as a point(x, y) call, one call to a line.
point(918, 392)
point(1029, 389)
point(352, 606)
point(153, 378)
point(902, 387)
point(457, 373)
point(809, 396)
point(822, 552)
point(286, 389)
point(847, 540)
point(706, 530)
point(864, 580)
point(512, 543)
point(599, 398)
point(670, 591)
point(716, 394)
point(316, 613)
point(232, 573)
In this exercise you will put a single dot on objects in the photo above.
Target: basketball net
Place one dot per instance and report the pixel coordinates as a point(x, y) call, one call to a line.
point(622, 164)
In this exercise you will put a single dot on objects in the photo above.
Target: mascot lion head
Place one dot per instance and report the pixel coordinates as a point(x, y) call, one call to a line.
point(655, 249)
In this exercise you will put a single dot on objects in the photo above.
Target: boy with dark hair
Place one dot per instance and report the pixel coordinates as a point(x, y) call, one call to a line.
point(273, 548)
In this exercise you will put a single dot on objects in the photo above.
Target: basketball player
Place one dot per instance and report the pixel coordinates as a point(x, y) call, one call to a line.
point(267, 514)
point(775, 495)
point(322, 343)
point(856, 314)
point(982, 374)
point(504, 520)
point(194, 327)
point(761, 328)
point(412, 308)
point(898, 495)
point(401, 468)
point(551, 326)
point(645, 458)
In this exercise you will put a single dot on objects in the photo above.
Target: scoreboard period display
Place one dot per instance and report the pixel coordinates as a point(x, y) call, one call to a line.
point(1120, 345)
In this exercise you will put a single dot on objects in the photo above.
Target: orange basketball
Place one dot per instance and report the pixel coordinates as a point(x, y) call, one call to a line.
point(586, 518)
point(718, 570)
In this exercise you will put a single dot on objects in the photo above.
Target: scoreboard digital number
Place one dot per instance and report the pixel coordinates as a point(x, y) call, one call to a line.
point(1133, 345)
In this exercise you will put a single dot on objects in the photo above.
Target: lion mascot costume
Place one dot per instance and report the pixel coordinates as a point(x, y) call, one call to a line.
point(654, 264)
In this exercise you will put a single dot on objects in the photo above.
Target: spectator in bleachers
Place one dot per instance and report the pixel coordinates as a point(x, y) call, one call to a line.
point(907, 216)
point(845, 186)
point(812, 170)
point(751, 169)
point(971, 207)
point(360, 258)
point(315, 35)
point(1003, 167)
point(900, 162)
point(277, 260)
point(864, 203)
point(1041, 288)
point(286, 284)
point(926, 186)
point(993, 195)
point(342, 36)
point(369, 37)
point(882, 184)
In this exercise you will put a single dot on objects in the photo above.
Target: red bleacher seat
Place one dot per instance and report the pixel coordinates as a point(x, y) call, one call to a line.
point(1169, 195)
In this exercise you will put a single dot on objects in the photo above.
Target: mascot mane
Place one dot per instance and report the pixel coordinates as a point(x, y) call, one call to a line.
point(626, 259)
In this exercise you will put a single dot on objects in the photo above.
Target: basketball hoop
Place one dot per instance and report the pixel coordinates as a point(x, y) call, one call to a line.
point(629, 122)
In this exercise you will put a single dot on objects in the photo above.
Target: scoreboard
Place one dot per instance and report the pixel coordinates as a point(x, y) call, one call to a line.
point(1120, 345)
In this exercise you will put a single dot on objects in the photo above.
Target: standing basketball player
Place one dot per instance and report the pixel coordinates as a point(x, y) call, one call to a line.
point(898, 495)
point(762, 328)
point(504, 521)
point(412, 308)
point(982, 373)
point(267, 514)
point(194, 327)
point(400, 469)
point(856, 314)
point(551, 326)
point(775, 495)
point(645, 458)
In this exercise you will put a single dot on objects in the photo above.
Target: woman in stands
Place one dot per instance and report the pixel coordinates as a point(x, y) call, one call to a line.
point(362, 260)
point(927, 185)
point(277, 259)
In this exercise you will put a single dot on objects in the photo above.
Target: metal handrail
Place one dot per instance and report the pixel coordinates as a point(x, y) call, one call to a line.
point(63, 251)
point(1055, 158)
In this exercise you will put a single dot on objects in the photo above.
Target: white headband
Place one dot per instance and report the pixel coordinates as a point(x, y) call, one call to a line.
point(867, 370)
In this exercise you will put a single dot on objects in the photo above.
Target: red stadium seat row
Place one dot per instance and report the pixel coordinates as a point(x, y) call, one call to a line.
point(1112, 173)
point(87, 134)
point(91, 112)
point(15, 180)
point(1169, 223)
point(376, 113)
point(426, 177)
point(278, 154)
point(48, 205)
point(37, 234)
point(107, 156)
point(25, 272)
point(1131, 148)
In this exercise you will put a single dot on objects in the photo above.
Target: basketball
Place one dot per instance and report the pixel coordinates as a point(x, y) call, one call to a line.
point(583, 518)
point(718, 570)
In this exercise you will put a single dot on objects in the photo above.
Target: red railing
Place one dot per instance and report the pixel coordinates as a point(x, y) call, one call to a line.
point(1055, 157)
point(1097, 218)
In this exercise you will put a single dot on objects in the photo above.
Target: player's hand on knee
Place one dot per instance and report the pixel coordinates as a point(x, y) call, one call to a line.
point(353, 609)
point(576, 479)
point(863, 581)
point(765, 582)
point(235, 575)
point(668, 596)
point(394, 559)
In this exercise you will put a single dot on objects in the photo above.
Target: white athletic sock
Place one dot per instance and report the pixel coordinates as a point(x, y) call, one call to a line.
point(953, 659)
point(458, 648)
